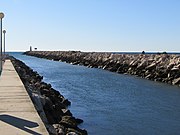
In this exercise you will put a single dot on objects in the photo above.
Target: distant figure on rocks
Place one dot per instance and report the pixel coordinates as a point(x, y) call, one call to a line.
point(161, 53)
point(164, 52)
point(143, 52)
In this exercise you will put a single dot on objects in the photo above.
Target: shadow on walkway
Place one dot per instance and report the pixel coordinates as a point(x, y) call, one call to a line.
point(20, 123)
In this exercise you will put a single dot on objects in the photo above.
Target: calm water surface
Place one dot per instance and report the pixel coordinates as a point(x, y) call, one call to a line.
point(110, 103)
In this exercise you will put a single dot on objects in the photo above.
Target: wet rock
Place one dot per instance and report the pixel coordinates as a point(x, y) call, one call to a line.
point(79, 121)
point(51, 130)
point(142, 65)
point(152, 66)
point(77, 131)
point(66, 102)
point(69, 121)
point(72, 133)
point(176, 81)
point(175, 69)
point(59, 129)
point(67, 112)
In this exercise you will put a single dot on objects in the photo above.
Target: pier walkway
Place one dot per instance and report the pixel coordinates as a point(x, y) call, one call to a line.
point(17, 113)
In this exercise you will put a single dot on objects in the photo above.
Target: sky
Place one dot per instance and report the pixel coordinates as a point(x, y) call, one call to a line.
point(92, 25)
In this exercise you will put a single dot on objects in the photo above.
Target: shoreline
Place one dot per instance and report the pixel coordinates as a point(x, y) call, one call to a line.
point(51, 106)
point(156, 67)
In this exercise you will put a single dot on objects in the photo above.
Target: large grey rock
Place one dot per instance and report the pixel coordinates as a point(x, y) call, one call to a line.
point(176, 81)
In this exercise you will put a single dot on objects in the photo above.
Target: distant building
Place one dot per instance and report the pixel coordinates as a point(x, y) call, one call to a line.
point(30, 48)
point(35, 49)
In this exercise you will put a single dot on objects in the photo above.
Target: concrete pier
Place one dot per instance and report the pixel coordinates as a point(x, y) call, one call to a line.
point(17, 113)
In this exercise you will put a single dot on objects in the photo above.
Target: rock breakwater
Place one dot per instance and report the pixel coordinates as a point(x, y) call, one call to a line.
point(49, 103)
point(157, 67)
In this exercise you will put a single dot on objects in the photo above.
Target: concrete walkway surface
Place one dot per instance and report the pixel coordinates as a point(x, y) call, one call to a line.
point(17, 113)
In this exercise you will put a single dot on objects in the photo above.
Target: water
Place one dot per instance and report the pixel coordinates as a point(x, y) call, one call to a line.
point(110, 103)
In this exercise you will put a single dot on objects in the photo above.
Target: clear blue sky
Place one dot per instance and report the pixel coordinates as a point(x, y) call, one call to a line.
point(92, 25)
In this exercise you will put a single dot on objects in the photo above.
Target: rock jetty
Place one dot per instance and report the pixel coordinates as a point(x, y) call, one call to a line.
point(49, 103)
point(157, 67)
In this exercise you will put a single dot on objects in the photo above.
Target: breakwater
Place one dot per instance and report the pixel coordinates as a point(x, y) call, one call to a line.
point(49, 103)
point(157, 67)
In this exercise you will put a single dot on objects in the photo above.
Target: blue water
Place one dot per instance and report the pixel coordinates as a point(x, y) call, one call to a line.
point(110, 103)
